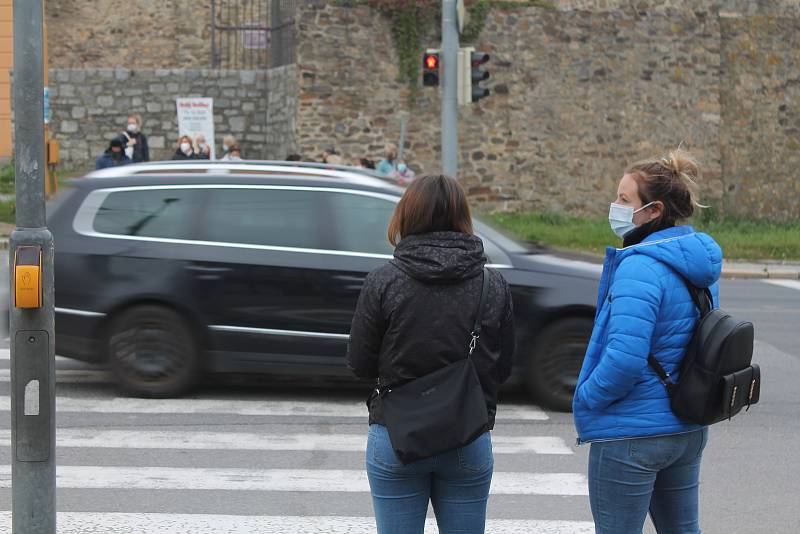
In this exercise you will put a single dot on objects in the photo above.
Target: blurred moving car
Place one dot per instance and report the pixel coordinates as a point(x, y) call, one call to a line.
point(170, 271)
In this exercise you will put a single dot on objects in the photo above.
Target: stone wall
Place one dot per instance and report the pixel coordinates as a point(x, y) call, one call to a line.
point(135, 34)
point(578, 92)
point(89, 106)
point(281, 108)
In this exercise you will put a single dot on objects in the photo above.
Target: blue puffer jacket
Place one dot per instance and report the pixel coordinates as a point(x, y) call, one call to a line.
point(643, 306)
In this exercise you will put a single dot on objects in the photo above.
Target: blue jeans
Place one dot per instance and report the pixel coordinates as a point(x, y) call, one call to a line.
point(455, 482)
point(627, 477)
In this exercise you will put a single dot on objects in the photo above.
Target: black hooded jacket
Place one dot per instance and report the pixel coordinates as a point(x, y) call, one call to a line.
point(415, 315)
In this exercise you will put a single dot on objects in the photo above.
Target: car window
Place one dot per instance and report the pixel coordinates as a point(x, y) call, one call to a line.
point(361, 222)
point(164, 213)
point(271, 217)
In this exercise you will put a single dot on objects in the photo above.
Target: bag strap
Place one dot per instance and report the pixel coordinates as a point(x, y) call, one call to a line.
point(476, 328)
point(704, 301)
point(663, 376)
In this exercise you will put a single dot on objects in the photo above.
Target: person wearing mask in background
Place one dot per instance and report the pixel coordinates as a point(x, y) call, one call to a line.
point(643, 457)
point(404, 175)
point(203, 150)
point(388, 164)
point(227, 142)
point(413, 318)
point(185, 150)
point(114, 156)
point(135, 141)
point(234, 153)
point(366, 163)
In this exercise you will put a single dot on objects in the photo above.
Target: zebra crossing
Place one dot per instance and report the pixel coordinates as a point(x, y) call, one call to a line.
point(288, 462)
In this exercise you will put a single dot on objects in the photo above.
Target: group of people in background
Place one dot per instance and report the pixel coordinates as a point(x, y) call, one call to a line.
point(131, 146)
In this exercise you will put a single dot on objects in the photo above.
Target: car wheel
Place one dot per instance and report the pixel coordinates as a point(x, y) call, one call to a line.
point(153, 352)
point(556, 361)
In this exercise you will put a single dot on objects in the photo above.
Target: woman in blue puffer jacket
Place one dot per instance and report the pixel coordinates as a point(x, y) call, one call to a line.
point(644, 457)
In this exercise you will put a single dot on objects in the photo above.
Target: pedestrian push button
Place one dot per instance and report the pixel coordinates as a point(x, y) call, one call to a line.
point(28, 277)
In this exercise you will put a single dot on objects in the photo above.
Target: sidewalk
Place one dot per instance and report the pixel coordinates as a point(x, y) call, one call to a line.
point(784, 270)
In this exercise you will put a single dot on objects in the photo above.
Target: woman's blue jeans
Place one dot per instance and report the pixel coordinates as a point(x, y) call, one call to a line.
point(631, 476)
point(456, 483)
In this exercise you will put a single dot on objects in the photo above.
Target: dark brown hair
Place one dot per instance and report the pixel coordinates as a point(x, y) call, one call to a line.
point(433, 203)
point(670, 180)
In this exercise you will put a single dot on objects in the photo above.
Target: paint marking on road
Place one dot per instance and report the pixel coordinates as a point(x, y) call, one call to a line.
point(5, 354)
point(71, 376)
point(265, 407)
point(146, 439)
point(163, 523)
point(305, 480)
point(793, 284)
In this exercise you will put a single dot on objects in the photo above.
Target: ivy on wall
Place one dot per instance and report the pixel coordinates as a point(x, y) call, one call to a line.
point(411, 20)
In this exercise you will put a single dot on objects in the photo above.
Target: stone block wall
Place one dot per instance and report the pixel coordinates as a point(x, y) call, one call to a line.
point(579, 92)
point(136, 34)
point(90, 106)
point(281, 109)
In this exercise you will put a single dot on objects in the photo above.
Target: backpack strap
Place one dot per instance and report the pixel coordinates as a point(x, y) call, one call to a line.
point(663, 376)
point(704, 301)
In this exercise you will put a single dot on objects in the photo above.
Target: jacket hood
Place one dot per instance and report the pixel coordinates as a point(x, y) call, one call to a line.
point(694, 255)
point(440, 256)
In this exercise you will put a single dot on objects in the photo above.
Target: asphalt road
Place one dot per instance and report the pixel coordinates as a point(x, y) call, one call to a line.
point(266, 458)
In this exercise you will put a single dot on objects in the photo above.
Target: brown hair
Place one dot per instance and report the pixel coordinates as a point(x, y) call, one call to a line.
point(672, 180)
point(434, 203)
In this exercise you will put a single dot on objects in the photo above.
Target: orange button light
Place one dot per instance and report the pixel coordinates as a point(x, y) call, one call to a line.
point(28, 277)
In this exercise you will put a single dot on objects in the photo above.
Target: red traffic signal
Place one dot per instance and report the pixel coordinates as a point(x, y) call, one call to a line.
point(430, 68)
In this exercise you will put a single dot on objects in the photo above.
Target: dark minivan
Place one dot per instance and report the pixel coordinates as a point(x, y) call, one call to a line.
point(169, 274)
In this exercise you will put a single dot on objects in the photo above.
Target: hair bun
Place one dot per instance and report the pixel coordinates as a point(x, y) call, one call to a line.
point(683, 165)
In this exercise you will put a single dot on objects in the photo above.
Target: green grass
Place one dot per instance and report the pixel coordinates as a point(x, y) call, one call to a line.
point(740, 239)
point(8, 211)
point(7, 179)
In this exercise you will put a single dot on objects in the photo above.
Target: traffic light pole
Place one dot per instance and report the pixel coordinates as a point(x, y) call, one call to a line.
point(32, 325)
point(450, 89)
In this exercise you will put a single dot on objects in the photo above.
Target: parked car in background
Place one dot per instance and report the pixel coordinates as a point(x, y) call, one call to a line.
point(167, 272)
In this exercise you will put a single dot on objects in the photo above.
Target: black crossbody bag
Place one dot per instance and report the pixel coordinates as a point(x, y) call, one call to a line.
point(441, 411)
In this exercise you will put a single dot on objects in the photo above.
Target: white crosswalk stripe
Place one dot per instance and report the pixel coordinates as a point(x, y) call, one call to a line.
point(319, 480)
point(244, 407)
point(144, 439)
point(118, 523)
point(791, 284)
point(137, 457)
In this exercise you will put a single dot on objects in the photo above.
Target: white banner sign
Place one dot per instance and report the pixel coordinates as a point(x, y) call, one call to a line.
point(196, 117)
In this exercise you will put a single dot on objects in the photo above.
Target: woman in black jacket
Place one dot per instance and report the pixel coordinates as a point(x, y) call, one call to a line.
point(414, 316)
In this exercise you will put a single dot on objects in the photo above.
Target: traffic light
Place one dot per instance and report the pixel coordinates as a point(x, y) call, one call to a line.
point(477, 75)
point(430, 68)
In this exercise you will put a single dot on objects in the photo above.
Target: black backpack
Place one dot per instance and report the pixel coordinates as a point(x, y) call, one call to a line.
point(716, 378)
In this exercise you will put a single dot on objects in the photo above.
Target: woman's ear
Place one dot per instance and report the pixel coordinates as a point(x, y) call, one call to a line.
point(656, 210)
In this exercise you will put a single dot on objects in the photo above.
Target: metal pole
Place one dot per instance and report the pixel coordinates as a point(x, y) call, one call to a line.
point(214, 58)
point(33, 472)
point(450, 89)
point(401, 145)
point(275, 42)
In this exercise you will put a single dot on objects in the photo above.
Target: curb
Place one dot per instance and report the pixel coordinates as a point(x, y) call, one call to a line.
point(730, 273)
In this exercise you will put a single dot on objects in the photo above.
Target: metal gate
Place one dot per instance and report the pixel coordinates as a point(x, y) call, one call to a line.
point(252, 34)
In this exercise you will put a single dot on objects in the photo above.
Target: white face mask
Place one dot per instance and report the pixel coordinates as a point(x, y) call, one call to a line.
point(185, 148)
point(225, 148)
point(202, 146)
point(132, 128)
point(620, 217)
